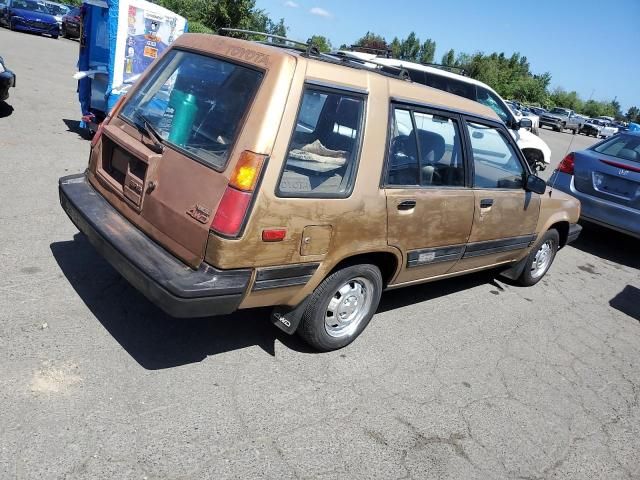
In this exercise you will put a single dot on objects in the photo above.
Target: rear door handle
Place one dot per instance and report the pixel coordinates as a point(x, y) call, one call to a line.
point(486, 202)
point(407, 205)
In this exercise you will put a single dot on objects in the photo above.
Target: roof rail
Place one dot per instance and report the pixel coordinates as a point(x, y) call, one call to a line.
point(382, 52)
point(310, 49)
point(448, 68)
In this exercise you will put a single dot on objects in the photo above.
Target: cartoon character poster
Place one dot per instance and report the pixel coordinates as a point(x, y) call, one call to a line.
point(148, 35)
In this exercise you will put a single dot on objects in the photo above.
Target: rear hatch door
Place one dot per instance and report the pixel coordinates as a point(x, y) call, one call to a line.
point(164, 160)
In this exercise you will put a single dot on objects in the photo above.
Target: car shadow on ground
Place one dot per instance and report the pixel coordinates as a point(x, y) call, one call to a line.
point(5, 109)
point(157, 341)
point(73, 126)
point(628, 302)
point(609, 245)
point(154, 339)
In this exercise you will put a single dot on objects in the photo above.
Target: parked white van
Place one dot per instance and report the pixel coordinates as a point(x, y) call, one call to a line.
point(536, 151)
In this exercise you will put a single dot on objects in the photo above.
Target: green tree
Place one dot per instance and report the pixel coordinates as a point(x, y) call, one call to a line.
point(427, 51)
point(395, 47)
point(320, 42)
point(449, 58)
point(372, 41)
point(410, 47)
point(633, 114)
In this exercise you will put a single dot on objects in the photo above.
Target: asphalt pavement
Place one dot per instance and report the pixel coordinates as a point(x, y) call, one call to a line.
point(465, 378)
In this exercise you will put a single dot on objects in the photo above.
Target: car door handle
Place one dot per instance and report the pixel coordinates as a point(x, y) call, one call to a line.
point(407, 205)
point(486, 202)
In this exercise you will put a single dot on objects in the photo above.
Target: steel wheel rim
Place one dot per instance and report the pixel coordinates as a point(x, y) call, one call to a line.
point(348, 306)
point(542, 259)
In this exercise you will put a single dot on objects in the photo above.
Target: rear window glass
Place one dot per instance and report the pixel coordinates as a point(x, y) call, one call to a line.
point(625, 147)
point(195, 103)
point(323, 152)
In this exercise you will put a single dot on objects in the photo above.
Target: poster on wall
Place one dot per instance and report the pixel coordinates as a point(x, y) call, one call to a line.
point(148, 35)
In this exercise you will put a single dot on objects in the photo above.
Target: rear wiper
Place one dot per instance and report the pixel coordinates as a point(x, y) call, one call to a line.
point(145, 127)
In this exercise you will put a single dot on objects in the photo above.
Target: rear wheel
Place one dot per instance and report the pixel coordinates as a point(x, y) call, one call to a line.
point(341, 307)
point(540, 259)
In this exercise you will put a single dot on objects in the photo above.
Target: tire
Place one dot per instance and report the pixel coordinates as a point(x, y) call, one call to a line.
point(55, 37)
point(335, 297)
point(537, 266)
point(63, 31)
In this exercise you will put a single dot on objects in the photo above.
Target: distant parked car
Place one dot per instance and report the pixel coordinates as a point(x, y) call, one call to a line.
point(561, 119)
point(71, 24)
point(599, 128)
point(606, 180)
point(58, 10)
point(29, 16)
point(7, 80)
point(538, 110)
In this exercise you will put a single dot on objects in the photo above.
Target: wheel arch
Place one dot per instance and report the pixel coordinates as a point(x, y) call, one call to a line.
point(387, 261)
point(562, 227)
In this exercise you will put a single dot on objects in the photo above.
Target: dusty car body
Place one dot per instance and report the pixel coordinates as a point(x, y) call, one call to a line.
point(239, 175)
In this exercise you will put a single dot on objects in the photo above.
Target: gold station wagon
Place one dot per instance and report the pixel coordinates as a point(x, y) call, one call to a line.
point(241, 174)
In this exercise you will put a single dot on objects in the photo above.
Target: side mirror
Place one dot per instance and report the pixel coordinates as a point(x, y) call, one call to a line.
point(535, 184)
point(525, 122)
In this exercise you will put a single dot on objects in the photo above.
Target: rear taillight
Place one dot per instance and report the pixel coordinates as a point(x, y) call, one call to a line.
point(567, 164)
point(236, 200)
point(105, 122)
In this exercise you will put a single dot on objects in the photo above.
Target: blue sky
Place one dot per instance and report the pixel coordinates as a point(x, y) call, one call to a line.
point(589, 46)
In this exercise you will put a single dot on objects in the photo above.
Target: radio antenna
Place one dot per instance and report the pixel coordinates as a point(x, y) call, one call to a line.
point(556, 170)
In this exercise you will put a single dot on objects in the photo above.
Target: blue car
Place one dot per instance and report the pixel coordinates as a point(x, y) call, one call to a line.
point(29, 16)
point(606, 180)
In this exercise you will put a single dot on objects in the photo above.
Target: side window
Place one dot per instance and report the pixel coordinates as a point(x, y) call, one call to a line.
point(429, 155)
point(496, 164)
point(323, 151)
point(403, 152)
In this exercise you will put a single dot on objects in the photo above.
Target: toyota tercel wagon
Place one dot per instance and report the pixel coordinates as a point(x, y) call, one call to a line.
point(240, 174)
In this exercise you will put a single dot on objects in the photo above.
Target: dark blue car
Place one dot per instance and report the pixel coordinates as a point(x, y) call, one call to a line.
point(606, 180)
point(29, 16)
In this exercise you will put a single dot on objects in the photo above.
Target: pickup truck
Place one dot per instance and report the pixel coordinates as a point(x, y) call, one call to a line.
point(561, 119)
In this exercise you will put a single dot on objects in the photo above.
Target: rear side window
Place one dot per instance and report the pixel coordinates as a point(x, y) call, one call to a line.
point(495, 162)
point(196, 103)
point(425, 150)
point(323, 153)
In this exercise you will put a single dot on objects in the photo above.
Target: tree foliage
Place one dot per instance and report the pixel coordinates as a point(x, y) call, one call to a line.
point(207, 16)
point(449, 58)
point(372, 41)
point(320, 42)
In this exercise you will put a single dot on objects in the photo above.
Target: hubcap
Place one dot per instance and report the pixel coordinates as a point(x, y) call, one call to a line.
point(348, 306)
point(542, 260)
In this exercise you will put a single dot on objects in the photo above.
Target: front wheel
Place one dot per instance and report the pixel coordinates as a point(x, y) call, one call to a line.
point(540, 259)
point(341, 307)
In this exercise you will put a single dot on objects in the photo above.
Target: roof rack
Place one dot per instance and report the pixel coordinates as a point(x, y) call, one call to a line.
point(313, 52)
point(311, 49)
point(403, 73)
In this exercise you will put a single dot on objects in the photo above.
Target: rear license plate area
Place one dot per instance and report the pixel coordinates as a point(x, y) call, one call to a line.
point(127, 171)
point(614, 186)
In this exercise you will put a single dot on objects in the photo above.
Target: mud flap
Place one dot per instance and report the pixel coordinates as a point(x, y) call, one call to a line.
point(287, 318)
point(514, 272)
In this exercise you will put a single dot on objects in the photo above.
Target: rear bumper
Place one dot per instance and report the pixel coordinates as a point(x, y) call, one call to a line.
point(598, 210)
point(174, 287)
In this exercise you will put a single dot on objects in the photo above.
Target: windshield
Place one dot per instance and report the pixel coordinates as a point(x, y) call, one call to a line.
point(55, 9)
point(195, 103)
point(485, 97)
point(30, 5)
point(560, 111)
point(625, 147)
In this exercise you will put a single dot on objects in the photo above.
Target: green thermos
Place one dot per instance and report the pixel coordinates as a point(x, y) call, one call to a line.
point(185, 109)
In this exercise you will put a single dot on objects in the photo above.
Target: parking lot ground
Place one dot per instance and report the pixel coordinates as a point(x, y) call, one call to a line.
point(466, 378)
